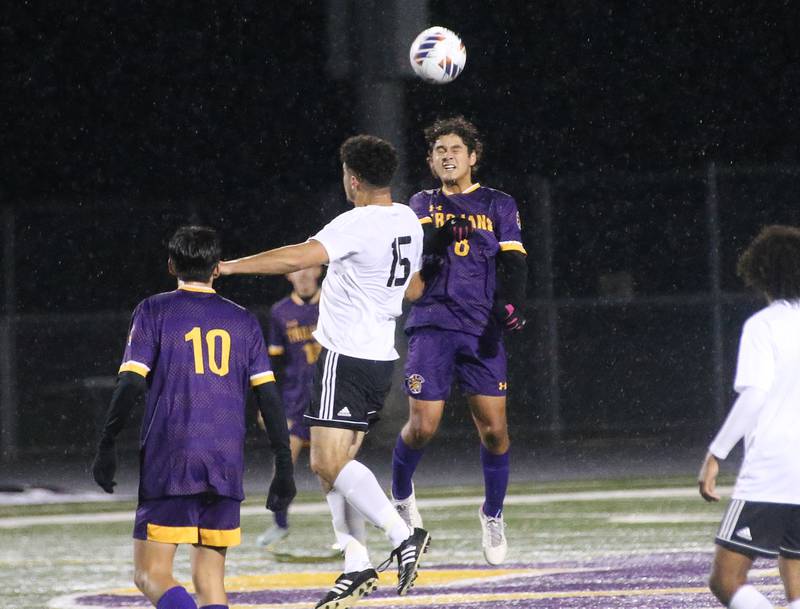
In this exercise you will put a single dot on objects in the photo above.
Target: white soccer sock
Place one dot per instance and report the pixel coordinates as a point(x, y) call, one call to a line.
point(356, 556)
point(747, 597)
point(360, 488)
point(356, 523)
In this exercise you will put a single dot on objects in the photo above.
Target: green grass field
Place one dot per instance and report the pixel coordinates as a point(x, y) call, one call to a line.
point(80, 554)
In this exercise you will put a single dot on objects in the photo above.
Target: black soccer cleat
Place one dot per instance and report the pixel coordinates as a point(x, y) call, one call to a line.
point(408, 556)
point(348, 589)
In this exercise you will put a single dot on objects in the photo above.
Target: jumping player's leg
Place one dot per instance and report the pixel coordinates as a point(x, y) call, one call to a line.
point(481, 374)
point(208, 575)
point(424, 417)
point(428, 376)
point(489, 416)
point(152, 574)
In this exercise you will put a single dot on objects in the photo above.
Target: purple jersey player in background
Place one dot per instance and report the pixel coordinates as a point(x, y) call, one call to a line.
point(196, 355)
point(294, 351)
point(472, 286)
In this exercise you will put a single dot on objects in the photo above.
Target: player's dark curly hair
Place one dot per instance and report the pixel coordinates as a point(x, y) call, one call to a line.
point(459, 126)
point(771, 263)
point(370, 158)
point(194, 252)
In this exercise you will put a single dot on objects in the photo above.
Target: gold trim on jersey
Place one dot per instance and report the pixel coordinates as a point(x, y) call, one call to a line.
point(261, 378)
point(221, 538)
point(426, 220)
point(472, 188)
point(512, 246)
point(197, 288)
point(275, 350)
point(165, 534)
point(132, 366)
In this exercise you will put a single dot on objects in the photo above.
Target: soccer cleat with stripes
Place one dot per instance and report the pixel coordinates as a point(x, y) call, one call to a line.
point(348, 589)
point(408, 556)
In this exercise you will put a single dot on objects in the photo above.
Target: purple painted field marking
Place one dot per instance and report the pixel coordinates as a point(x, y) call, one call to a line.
point(652, 581)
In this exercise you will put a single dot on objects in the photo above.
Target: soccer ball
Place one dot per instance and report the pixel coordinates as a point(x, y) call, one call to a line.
point(437, 55)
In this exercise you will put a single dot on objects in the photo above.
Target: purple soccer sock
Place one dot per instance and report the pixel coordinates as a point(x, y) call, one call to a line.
point(404, 463)
point(176, 598)
point(282, 519)
point(214, 607)
point(495, 480)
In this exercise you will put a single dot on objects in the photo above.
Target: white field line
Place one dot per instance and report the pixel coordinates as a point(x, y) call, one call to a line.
point(44, 496)
point(16, 522)
point(664, 518)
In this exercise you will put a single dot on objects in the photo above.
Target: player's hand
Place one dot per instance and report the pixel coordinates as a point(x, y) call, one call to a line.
point(707, 478)
point(457, 229)
point(510, 316)
point(224, 268)
point(104, 467)
point(281, 492)
point(431, 267)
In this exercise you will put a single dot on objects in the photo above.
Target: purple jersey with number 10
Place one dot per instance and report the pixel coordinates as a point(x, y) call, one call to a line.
point(461, 295)
point(290, 326)
point(200, 354)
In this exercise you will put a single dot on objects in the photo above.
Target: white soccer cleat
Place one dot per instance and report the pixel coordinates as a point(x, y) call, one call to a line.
point(493, 541)
point(407, 508)
point(272, 536)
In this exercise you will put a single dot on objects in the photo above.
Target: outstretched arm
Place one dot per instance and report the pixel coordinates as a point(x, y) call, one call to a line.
point(279, 261)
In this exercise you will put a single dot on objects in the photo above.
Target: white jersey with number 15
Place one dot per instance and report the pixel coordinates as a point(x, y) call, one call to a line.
point(372, 251)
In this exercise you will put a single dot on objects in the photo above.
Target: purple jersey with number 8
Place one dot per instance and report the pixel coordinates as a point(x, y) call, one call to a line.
point(460, 296)
point(200, 354)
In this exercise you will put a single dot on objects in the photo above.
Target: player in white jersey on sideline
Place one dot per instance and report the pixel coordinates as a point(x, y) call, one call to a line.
point(763, 518)
point(372, 252)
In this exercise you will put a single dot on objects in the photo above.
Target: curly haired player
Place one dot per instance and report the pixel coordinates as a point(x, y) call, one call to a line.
point(763, 518)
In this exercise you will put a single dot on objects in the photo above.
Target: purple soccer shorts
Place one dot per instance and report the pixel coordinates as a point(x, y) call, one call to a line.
point(206, 519)
point(436, 357)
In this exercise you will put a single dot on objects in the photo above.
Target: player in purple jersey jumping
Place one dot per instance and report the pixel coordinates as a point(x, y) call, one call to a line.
point(196, 355)
point(473, 286)
point(294, 351)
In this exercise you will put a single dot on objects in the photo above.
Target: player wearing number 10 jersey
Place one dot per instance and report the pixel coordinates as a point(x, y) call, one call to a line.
point(196, 355)
point(472, 235)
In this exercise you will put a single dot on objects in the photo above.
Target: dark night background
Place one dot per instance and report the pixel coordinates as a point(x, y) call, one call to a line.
point(121, 121)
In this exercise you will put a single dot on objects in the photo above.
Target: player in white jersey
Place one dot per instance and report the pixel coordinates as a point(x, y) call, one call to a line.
point(372, 252)
point(763, 518)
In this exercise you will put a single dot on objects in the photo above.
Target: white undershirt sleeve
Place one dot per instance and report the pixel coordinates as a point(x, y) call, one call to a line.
point(741, 419)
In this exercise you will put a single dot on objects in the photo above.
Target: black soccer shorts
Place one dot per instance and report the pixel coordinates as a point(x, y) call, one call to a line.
point(348, 392)
point(761, 529)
